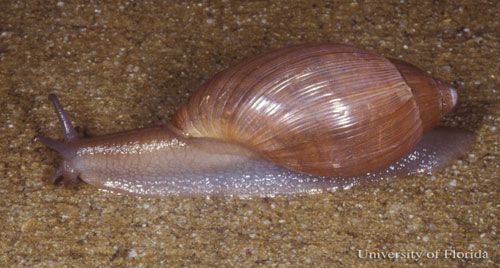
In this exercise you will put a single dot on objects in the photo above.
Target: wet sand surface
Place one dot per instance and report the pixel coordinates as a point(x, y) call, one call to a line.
point(125, 65)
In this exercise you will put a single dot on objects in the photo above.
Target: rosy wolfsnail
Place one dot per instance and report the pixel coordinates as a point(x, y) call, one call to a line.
point(298, 119)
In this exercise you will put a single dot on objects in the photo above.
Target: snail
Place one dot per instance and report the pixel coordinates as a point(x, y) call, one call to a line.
point(303, 118)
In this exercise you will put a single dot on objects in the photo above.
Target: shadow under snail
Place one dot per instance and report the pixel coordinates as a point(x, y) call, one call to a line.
point(304, 118)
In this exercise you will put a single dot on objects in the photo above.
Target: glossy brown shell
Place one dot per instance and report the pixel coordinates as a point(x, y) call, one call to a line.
point(320, 109)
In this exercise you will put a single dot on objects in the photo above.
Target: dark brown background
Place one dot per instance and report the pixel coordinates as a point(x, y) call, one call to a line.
point(125, 65)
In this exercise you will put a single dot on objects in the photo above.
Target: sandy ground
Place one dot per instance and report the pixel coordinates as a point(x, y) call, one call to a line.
point(125, 65)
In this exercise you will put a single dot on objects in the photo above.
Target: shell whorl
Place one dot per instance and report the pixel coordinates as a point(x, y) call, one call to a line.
point(319, 109)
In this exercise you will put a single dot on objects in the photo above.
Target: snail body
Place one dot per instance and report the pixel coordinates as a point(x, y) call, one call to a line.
point(297, 119)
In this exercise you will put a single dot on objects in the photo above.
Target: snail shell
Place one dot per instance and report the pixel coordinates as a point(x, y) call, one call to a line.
point(318, 110)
